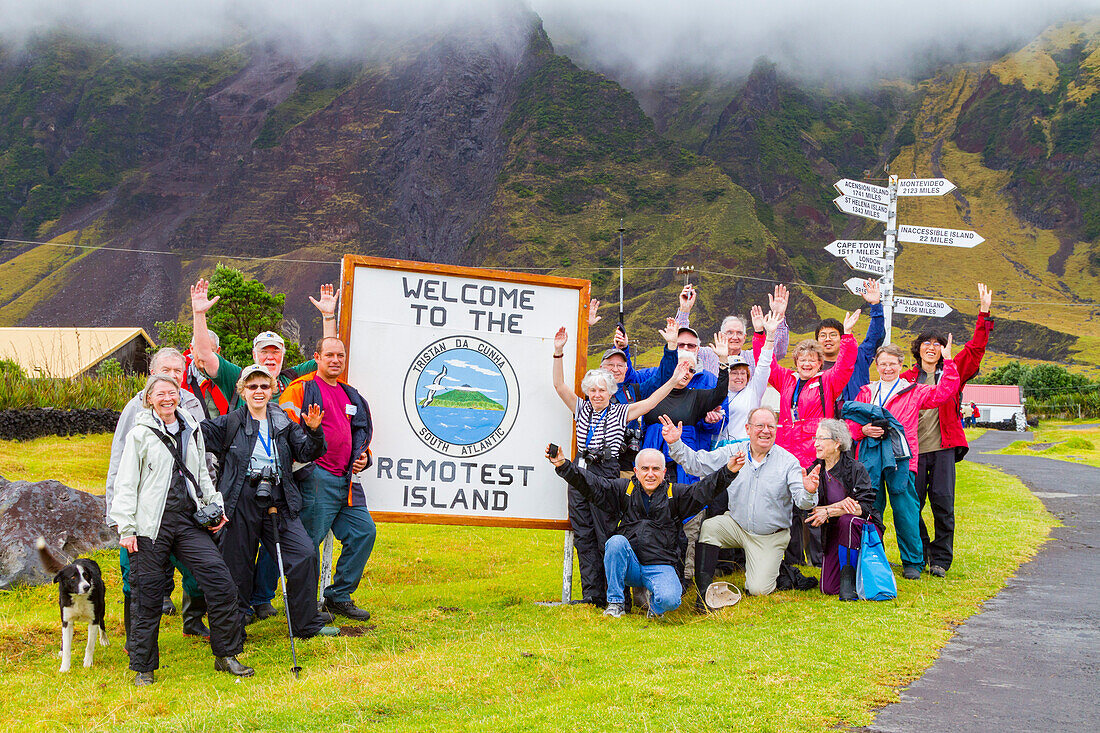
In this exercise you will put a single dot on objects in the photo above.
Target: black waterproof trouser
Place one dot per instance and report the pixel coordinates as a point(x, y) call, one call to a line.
point(591, 528)
point(936, 485)
point(240, 541)
point(805, 545)
point(195, 548)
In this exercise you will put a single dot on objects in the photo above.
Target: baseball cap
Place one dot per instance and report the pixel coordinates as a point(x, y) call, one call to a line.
point(721, 595)
point(268, 338)
point(612, 352)
point(688, 329)
point(736, 361)
point(248, 371)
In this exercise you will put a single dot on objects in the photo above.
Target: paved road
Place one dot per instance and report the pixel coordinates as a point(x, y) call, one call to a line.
point(1030, 661)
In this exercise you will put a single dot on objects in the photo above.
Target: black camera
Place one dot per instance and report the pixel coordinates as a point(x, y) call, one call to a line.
point(209, 515)
point(634, 436)
point(265, 480)
point(603, 454)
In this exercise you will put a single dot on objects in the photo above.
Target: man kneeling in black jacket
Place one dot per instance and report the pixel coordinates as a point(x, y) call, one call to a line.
point(642, 552)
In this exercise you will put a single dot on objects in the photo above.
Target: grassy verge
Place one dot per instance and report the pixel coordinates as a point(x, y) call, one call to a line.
point(457, 643)
point(79, 461)
point(1060, 441)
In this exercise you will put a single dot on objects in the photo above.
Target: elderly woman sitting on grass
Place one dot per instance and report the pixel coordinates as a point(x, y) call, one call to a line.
point(846, 500)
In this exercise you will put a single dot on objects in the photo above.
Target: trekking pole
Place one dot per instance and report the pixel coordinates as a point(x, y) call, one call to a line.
point(274, 512)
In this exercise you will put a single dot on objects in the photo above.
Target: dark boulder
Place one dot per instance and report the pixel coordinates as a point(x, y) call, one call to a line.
point(36, 422)
point(71, 521)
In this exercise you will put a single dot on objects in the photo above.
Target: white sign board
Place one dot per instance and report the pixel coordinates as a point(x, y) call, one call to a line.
point(860, 207)
point(861, 190)
point(934, 235)
point(455, 364)
point(921, 307)
point(924, 186)
point(863, 263)
point(855, 286)
point(865, 247)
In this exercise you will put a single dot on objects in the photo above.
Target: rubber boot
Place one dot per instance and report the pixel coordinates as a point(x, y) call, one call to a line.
point(706, 559)
point(192, 610)
point(848, 583)
point(126, 621)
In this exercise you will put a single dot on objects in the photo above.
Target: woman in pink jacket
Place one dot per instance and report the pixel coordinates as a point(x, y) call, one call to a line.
point(807, 394)
point(904, 400)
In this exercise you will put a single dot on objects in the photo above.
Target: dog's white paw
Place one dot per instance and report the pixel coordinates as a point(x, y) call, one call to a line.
point(103, 640)
point(64, 668)
point(87, 661)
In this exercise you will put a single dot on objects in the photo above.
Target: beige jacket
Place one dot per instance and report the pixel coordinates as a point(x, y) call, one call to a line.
point(145, 474)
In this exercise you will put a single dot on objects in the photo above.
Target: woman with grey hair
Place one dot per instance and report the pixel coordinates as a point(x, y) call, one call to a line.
point(601, 430)
point(165, 504)
point(847, 501)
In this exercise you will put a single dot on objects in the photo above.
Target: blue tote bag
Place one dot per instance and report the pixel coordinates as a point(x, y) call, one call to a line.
point(874, 578)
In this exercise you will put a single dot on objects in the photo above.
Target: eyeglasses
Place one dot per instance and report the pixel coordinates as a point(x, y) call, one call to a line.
point(687, 347)
point(931, 343)
point(254, 387)
point(822, 438)
point(765, 426)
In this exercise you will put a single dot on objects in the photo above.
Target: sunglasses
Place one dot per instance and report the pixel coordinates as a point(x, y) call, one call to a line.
point(687, 347)
point(254, 387)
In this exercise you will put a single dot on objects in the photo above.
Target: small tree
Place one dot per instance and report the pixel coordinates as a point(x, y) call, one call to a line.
point(173, 333)
point(246, 308)
point(1011, 373)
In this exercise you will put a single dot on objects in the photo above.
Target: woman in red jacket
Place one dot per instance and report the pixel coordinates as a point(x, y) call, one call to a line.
point(941, 437)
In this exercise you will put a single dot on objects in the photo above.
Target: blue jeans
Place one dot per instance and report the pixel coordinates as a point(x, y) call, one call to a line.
point(265, 579)
point(325, 507)
point(623, 568)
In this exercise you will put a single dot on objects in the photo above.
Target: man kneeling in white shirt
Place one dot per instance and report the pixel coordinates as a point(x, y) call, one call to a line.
point(760, 500)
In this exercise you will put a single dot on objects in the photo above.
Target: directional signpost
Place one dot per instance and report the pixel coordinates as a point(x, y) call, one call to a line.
point(877, 256)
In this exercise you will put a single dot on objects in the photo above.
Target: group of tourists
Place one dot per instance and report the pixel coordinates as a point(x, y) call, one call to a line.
point(682, 462)
point(234, 476)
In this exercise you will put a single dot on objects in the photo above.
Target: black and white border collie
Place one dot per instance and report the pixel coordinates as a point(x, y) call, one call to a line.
point(81, 598)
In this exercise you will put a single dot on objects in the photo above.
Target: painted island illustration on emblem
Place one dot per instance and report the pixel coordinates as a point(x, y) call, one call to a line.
point(461, 396)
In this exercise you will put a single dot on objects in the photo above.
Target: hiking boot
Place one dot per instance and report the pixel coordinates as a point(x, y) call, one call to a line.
point(347, 609)
point(910, 572)
point(167, 608)
point(328, 631)
point(143, 679)
point(938, 571)
point(848, 583)
point(706, 557)
point(264, 610)
point(192, 610)
point(614, 610)
point(232, 666)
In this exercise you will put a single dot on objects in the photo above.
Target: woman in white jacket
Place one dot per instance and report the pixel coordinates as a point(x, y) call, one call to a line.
point(162, 492)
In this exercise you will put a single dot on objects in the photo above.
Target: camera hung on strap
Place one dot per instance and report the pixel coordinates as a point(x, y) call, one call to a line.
point(603, 454)
point(265, 480)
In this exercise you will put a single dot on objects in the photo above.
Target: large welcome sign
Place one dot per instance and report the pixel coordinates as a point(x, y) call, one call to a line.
point(456, 365)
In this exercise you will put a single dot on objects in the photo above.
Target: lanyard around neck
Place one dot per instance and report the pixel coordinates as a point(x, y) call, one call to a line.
point(881, 401)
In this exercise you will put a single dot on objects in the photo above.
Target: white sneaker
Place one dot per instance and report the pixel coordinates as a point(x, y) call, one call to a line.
point(614, 610)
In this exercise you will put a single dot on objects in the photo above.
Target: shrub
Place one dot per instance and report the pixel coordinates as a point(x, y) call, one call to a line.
point(110, 391)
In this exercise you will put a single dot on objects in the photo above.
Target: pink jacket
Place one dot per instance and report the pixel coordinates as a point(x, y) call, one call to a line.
point(798, 436)
point(906, 404)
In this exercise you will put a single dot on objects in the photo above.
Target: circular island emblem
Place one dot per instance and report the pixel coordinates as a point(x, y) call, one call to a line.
point(461, 396)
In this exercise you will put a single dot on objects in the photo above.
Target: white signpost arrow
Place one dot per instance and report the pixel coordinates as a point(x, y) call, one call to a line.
point(865, 191)
point(924, 186)
point(865, 247)
point(855, 286)
point(935, 235)
point(863, 263)
point(861, 207)
point(921, 307)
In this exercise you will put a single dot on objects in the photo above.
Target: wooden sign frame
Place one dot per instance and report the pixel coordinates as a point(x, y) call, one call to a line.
point(347, 278)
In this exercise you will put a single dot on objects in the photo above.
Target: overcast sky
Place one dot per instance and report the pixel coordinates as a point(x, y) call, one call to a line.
point(853, 40)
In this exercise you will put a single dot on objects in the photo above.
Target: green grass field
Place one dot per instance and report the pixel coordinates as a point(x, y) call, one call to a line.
point(1055, 439)
point(458, 643)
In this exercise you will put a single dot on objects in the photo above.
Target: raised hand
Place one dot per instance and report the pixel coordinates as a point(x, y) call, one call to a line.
point(683, 369)
point(871, 291)
point(560, 339)
point(850, 320)
point(671, 433)
point(985, 298)
point(593, 306)
point(778, 300)
point(811, 480)
point(736, 462)
point(721, 345)
point(757, 315)
point(687, 298)
point(670, 332)
point(200, 297)
point(620, 338)
point(947, 349)
point(330, 296)
point(771, 323)
point(313, 417)
point(555, 457)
